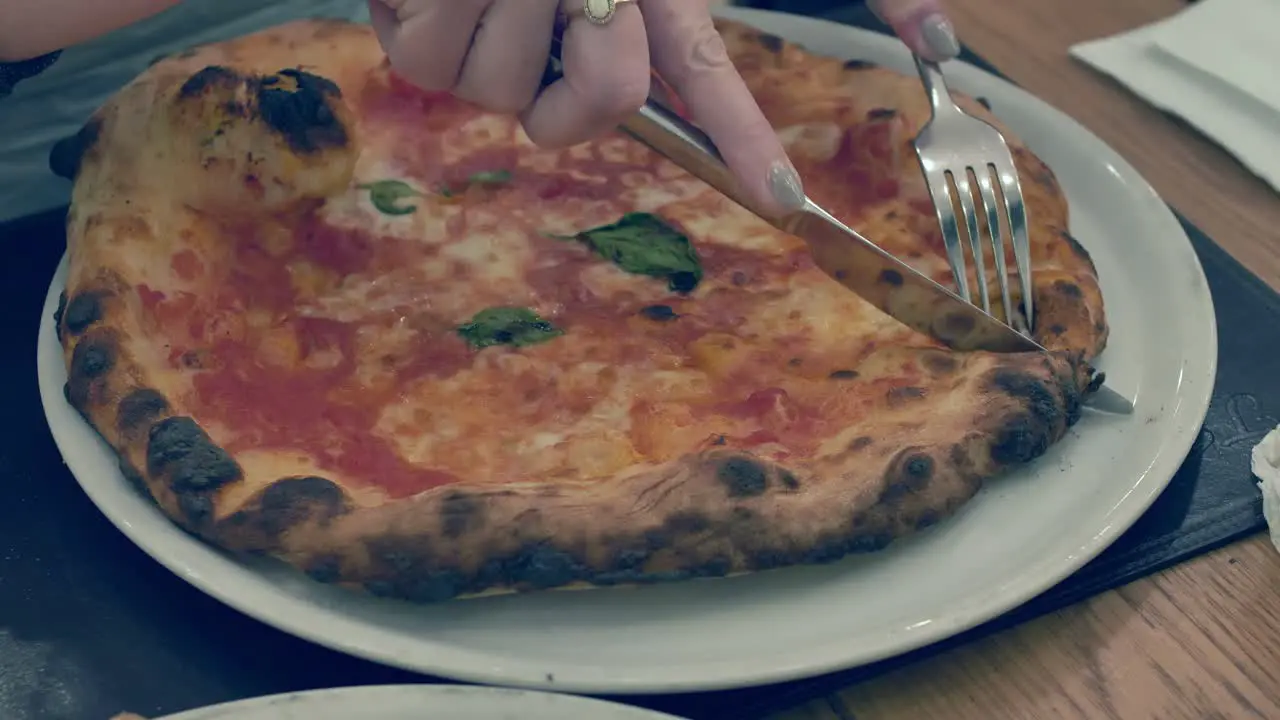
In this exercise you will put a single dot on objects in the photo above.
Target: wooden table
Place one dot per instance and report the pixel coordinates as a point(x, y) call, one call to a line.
point(1198, 641)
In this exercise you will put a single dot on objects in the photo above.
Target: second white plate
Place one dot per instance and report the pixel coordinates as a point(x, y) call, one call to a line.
point(1021, 535)
point(419, 702)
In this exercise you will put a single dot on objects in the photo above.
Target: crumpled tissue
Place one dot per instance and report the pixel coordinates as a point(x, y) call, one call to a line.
point(1266, 466)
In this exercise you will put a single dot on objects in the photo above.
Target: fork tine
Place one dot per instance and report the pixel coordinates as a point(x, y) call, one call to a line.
point(1017, 216)
point(992, 207)
point(965, 191)
point(940, 190)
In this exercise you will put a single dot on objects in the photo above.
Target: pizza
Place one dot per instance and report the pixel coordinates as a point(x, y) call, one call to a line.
point(323, 316)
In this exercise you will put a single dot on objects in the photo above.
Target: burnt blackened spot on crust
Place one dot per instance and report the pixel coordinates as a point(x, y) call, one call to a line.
point(1021, 440)
point(900, 395)
point(292, 501)
point(1067, 289)
point(789, 480)
point(302, 115)
point(1057, 329)
point(541, 566)
point(1026, 435)
point(180, 451)
point(683, 282)
point(408, 571)
point(82, 311)
point(407, 576)
point(157, 59)
point(939, 363)
point(424, 587)
point(743, 477)
point(140, 407)
point(687, 522)
point(195, 507)
point(58, 312)
point(772, 43)
point(832, 548)
point(918, 468)
point(459, 514)
point(844, 375)
point(1078, 249)
point(870, 542)
point(659, 313)
point(209, 77)
point(324, 569)
point(437, 586)
point(93, 358)
point(881, 113)
point(67, 154)
point(891, 277)
point(858, 65)
point(1027, 387)
point(860, 442)
point(928, 518)
point(983, 102)
point(910, 472)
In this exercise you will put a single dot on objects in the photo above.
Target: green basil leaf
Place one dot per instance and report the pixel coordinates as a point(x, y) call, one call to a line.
point(490, 177)
point(387, 194)
point(515, 326)
point(644, 244)
point(484, 177)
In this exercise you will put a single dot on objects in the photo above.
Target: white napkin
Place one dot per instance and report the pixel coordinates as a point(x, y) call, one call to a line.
point(1215, 64)
point(1266, 465)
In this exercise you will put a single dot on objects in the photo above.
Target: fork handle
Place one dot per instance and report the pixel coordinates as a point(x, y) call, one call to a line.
point(935, 86)
point(671, 136)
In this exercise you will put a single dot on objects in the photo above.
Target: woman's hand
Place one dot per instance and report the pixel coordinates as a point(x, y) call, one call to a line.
point(493, 52)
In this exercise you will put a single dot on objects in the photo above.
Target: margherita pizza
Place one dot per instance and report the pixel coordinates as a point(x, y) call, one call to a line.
point(375, 332)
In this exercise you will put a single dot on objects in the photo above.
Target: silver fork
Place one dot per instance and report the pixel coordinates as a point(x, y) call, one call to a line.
point(952, 146)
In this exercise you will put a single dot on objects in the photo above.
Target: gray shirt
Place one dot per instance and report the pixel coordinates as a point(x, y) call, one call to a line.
point(48, 98)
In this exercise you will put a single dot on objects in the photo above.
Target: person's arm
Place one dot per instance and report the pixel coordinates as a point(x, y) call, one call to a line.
point(31, 28)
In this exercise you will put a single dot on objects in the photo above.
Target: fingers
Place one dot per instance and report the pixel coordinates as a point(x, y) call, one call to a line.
point(922, 26)
point(508, 53)
point(427, 40)
point(606, 78)
point(690, 55)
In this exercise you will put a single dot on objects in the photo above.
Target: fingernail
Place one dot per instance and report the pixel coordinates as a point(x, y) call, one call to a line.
point(785, 185)
point(940, 36)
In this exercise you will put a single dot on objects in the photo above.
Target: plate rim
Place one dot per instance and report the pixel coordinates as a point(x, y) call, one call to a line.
point(1148, 485)
point(424, 692)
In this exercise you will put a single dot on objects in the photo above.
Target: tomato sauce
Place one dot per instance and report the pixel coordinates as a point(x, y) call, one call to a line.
point(313, 400)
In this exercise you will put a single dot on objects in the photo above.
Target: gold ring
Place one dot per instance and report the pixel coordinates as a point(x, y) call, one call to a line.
point(599, 12)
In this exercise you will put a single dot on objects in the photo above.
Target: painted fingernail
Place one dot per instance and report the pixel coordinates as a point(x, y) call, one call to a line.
point(940, 36)
point(785, 185)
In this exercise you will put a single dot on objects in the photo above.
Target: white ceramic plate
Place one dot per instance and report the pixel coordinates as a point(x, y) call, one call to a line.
point(419, 702)
point(1024, 532)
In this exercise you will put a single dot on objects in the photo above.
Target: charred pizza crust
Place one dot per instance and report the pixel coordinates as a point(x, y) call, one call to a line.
point(910, 463)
